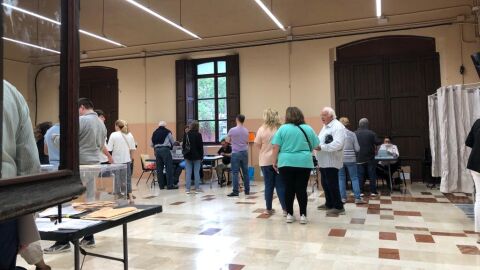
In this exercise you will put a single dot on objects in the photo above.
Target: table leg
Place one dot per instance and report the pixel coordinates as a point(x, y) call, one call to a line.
point(76, 254)
point(125, 247)
point(213, 164)
point(390, 177)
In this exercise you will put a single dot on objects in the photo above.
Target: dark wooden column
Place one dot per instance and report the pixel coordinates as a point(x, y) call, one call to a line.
point(69, 85)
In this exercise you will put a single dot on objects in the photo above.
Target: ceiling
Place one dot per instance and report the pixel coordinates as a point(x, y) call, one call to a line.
point(215, 21)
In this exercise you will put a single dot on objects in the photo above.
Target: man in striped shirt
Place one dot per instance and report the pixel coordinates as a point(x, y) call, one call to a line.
point(330, 160)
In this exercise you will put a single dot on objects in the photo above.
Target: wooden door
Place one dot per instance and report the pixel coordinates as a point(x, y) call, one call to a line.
point(390, 88)
point(100, 84)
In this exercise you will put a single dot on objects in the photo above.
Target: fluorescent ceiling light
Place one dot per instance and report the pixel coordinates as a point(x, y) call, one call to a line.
point(151, 12)
point(270, 14)
point(30, 45)
point(379, 8)
point(58, 23)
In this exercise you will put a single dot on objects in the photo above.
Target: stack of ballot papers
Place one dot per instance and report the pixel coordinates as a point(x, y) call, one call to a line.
point(93, 205)
point(46, 225)
point(109, 213)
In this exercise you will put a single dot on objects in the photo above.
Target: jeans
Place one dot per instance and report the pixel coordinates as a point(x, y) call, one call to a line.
point(240, 161)
point(195, 166)
point(9, 244)
point(331, 188)
point(177, 171)
point(164, 159)
point(352, 171)
point(220, 168)
point(370, 167)
point(296, 182)
point(273, 181)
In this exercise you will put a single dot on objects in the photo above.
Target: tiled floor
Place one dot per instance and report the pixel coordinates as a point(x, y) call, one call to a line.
point(421, 230)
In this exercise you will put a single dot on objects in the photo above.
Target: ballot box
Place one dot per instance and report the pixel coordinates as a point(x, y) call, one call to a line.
point(104, 182)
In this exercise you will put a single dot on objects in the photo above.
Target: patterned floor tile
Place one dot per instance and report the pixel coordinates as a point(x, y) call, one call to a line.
point(389, 253)
point(387, 236)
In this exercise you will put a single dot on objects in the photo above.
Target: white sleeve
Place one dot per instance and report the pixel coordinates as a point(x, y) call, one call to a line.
point(131, 142)
point(111, 142)
point(337, 143)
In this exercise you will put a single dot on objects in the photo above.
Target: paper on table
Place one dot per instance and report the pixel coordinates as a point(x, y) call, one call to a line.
point(45, 225)
point(109, 213)
point(76, 224)
point(66, 211)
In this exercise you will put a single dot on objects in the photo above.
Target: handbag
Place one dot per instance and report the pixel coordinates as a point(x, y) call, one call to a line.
point(186, 147)
point(314, 159)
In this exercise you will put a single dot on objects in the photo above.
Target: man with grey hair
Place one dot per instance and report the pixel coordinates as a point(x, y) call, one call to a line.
point(330, 160)
point(162, 142)
point(368, 141)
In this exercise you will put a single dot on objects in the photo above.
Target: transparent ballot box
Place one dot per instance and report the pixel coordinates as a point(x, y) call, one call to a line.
point(106, 182)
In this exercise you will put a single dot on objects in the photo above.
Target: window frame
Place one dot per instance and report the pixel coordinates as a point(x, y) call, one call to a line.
point(214, 75)
point(65, 184)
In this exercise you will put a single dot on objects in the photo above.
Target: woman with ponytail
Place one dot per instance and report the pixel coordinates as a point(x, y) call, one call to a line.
point(122, 146)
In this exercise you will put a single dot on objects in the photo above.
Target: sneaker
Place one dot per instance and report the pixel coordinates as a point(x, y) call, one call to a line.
point(360, 201)
point(269, 212)
point(362, 195)
point(344, 200)
point(373, 194)
point(87, 243)
point(55, 249)
point(188, 192)
point(323, 207)
point(335, 211)
point(233, 195)
point(290, 219)
point(285, 213)
point(303, 219)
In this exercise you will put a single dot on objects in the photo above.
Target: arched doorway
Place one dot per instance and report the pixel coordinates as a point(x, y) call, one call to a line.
point(100, 84)
point(387, 79)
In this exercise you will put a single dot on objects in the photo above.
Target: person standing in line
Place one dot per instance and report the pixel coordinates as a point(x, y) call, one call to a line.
point(40, 131)
point(350, 150)
point(473, 141)
point(293, 144)
point(122, 145)
point(238, 138)
point(162, 142)
point(193, 154)
point(105, 156)
point(52, 145)
point(20, 158)
point(330, 160)
point(272, 179)
point(366, 163)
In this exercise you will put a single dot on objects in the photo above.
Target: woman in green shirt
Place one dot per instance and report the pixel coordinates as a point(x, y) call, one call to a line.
point(292, 149)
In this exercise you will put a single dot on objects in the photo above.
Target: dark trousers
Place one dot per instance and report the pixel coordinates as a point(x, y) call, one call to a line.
point(177, 171)
point(296, 182)
point(331, 188)
point(273, 181)
point(164, 160)
point(8, 244)
point(369, 168)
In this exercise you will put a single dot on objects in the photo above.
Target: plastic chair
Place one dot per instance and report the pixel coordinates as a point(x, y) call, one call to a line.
point(146, 168)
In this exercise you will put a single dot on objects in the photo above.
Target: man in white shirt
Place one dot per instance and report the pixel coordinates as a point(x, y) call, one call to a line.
point(330, 160)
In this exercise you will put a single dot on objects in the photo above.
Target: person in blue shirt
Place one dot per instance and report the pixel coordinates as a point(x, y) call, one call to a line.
point(52, 145)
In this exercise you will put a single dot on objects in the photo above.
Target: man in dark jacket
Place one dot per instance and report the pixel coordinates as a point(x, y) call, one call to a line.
point(368, 142)
point(162, 142)
point(473, 141)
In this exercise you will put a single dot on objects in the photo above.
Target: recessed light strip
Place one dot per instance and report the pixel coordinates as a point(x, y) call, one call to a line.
point(30, 45)
point(379, 8)
point(155, 14)
point(270, 14)
point(58, 23)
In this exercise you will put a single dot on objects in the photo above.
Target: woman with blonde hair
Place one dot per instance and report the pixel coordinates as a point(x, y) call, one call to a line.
point(122, 146)
point(263, 141)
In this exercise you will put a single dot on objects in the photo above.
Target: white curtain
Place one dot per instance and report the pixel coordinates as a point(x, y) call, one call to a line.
point(452, 112)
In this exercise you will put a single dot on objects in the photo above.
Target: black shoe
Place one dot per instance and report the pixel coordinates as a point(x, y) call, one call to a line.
point(233, 194)
point(247, 193)
point(173, 187)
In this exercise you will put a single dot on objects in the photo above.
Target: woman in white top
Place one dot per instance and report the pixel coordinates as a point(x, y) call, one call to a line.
point(263, 141)
point(122, 145)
